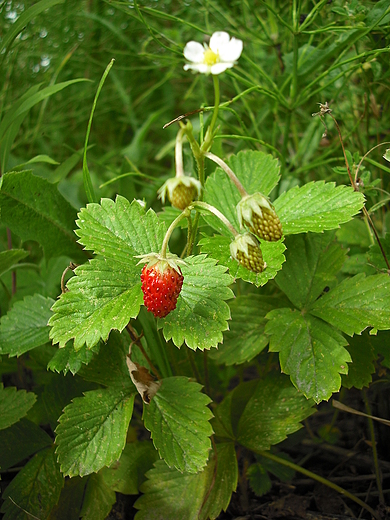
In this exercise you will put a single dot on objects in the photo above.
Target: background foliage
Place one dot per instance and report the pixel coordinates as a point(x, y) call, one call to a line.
point(74, 411)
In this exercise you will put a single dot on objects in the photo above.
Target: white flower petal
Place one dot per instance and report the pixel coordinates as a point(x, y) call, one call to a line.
point(218, 40)
point(199, 67)
point(220, 67)
point(231, 51)
point(194, 52)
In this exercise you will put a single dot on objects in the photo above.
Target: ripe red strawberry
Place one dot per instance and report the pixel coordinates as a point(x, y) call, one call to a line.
point(162, 281)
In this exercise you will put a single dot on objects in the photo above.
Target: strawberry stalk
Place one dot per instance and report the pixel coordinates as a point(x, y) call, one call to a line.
point(232, 176)
point(164, 247)
point(214, 211)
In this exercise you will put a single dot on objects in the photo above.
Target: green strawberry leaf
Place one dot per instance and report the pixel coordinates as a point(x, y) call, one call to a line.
point(128, 473)
point(8, 259)
point(34, 209)
point(317, 206)
point(103, 295)
point(25, 325)
point(71, 498)
point(245, 337)
point(119, 230)
point(98, 499)
point(218, 247)
point(108, 367)
point(362, 367)
point(274, 410)
point(312, 262)
point(67, 359)
point(20, 441)
point(178, 419)
point(185, 496)
point(201, 314)
point(14, 404)
point(259, 480)
point(92, 431)
point(257, 171)
point(375, 256)
point(106, 293)
point(357, 303)
point(310, 351)
point(36, 488)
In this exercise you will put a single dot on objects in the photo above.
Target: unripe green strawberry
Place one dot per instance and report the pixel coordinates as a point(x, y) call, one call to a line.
point(246, 249)
point(181, 191)
point(257, 214)
point(162, 281)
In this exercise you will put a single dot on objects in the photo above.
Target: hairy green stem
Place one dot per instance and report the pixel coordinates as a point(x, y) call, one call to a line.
point(164, 247)
point(216, 212)
point(232, 176)
point(322, 480)
point(208, 140)
point(179, 153)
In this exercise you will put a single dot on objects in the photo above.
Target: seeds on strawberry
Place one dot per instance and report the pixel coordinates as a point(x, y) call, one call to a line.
point(161, 286)
point(246, 249)
point(258, 215)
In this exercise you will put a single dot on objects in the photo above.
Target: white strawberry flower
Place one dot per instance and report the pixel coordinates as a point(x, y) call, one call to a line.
point(221, 54)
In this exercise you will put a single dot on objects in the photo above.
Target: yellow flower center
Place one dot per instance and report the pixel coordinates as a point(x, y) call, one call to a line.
point(210, 58)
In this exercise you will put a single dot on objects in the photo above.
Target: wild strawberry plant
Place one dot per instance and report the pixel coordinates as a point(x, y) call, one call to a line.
point(159, 311)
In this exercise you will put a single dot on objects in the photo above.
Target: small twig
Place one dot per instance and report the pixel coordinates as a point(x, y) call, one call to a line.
point(136, 340)
point(183, 116)
point(24, 511)
point(71, 267)
point(326, 110)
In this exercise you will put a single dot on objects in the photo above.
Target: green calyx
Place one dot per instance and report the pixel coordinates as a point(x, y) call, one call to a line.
point(181, 191)
point(161, 263)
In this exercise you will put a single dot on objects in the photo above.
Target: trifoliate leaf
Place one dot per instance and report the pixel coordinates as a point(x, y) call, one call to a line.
point(184, 496)
point(218, 247)
point(92, 431)
point(257, 171)
point(354, 233)
point(357, 303)
point(10, 258)
point(103, 295)
point(178, 419)
point(71, 498)
point(119, 230)
point(98, 499)
point(246, 337)
point(274, 410)
point(109, 367)
point(375, 256)
point(25, 325)
point(35, 489)
point(128, 473)
point(362, 367)
point(34, 209)
point(312, 264)
point(21, 440)
point(317, 206)
point(201, 314)
point(259, 480)
point(310, 351)
point(67, 359)
point(14, 404)
point(56, 394)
